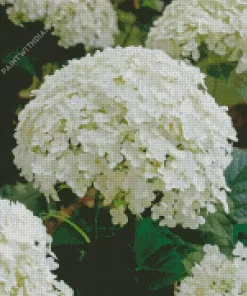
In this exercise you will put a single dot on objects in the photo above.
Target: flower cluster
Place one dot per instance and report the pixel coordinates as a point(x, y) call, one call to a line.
point(21, 11)
point(90, 22)
point(25, 268)
point(219, 24)
point(216, 275)
point(130, 121)
point(118, 215)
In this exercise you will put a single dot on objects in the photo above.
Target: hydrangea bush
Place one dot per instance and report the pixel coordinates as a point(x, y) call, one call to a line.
point(216, 275)
point(26, 260)
point(130, 121)
point(93, 23)
point(127, 136)
point(219, 24)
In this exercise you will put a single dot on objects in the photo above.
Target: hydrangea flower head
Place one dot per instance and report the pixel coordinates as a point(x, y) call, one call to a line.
point(25, 268)
point(216, 275)
point(21, 11)
point(130, 121)
point(90, 22)
point(219, 24)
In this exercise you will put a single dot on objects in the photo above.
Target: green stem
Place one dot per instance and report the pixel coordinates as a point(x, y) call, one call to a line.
point(96, 216)
point(128, 35)
point(214, 89)
point(77, 228)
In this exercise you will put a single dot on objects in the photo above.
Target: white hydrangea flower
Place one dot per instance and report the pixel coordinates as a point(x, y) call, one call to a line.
point(90, 22)
point(118, 215)
point(22, 11)
point(220, 24)
point(131, 121)
point(25, 268)
point(216, 275)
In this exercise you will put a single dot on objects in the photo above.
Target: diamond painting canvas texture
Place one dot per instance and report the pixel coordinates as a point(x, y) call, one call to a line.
point(124, 162)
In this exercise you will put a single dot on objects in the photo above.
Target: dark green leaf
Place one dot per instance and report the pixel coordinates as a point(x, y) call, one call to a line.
point(66, 234)
point(236, 176)
point(26, 194)
point(221, 71)
point(153, 4)
point(22, 61)
point(239, 161)
point(240, 233)
point(218, 230)
point(242, 176)
point(159, 252)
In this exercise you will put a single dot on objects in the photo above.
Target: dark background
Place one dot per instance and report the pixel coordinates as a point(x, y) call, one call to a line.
point(16, 79)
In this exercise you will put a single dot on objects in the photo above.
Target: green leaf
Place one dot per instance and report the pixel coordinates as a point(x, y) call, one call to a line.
point(126, 17)
point(239, 161)
point(67, 235)
point(153, 4)
point(136, 37)
point(242, 176)
point(240, 233)
point(215, 71)
point(239, 200)
point(218, 230)
point(194, 257)
point(236, 176)
point(222, 80)
point(159, 253)
point(243, 91)
point(26, 194)
point(22, 61)
point(73, 231)
point(174, 271)
point(221, 71)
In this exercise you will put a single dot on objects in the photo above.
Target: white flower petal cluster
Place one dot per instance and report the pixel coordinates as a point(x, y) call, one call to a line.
point(25, 268)
point(22, 11)
point(131, 121)
point(220, 24)
point(118, 215)
point(90, 22)
point(216, 275)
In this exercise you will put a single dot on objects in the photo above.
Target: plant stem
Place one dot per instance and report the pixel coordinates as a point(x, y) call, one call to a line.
point(96, 216)
point(175, 288)
point(128, 35)
point(77, 228)
point(214, 89)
